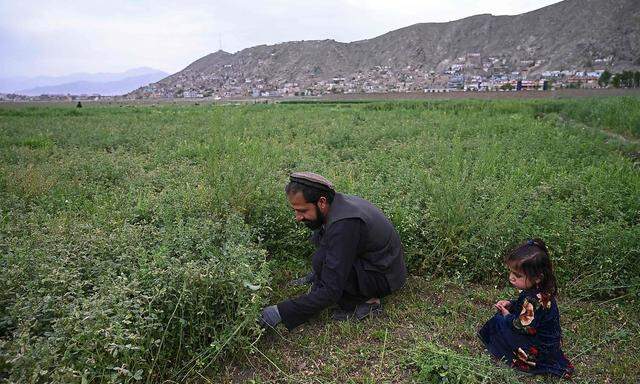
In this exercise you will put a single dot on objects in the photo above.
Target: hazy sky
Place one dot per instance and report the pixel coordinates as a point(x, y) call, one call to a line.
point(62, 37)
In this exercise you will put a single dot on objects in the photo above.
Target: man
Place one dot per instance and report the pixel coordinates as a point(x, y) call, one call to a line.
point(358, 257)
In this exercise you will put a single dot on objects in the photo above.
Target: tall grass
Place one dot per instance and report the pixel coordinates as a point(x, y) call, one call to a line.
point(620, 115)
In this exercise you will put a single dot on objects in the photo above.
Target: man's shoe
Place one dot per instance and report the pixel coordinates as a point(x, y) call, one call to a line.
point(340, 314)
point(365, 310)
point(361, 312)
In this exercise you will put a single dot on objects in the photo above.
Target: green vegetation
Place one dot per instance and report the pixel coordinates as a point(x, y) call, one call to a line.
point(611, 115)
point(604, 78)
point(136, 243)
point(506, 87)
point(428, 335)
point(441, 365)
point(626, 79)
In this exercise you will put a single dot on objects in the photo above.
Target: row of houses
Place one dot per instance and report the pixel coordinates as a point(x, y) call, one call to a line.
point(471, 71)
point(451, 83)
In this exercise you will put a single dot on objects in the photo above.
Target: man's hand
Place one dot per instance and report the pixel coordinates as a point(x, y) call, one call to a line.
point(270, 317)
point(503, 307)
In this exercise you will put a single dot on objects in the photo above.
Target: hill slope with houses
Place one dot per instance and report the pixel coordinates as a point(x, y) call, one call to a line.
point(557, 40)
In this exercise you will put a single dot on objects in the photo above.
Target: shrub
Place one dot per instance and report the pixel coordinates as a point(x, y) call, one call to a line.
point(129, 303)
point(436, 365)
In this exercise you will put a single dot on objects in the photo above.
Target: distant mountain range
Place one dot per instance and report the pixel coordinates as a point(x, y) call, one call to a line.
point(106, 84)
point(572, 34)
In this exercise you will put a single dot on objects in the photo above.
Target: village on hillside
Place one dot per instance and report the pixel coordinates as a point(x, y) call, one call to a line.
point(471, 72)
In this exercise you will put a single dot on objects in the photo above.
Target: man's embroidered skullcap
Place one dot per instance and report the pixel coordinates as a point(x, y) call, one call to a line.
point(312, 180)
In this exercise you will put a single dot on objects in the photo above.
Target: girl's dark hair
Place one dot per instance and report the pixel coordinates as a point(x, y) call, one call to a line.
point(532, 258)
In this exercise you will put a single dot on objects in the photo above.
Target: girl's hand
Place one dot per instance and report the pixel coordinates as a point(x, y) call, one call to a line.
point(503, 307)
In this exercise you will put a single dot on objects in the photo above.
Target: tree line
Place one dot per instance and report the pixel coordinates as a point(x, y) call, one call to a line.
point(626, 79)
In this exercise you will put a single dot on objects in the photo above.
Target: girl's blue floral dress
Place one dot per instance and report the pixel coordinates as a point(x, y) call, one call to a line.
point(529, 337)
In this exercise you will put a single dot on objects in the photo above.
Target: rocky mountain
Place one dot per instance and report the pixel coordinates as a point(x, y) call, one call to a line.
point(572, 34)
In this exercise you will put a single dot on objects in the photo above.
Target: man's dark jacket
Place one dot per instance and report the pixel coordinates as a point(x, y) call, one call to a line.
point(357, 239)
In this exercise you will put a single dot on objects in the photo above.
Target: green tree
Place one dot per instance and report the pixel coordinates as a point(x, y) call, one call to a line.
point(575, 85)
point(636, 79)
point(604, 78)
point(506, 87)
point(616, 81)
point(626, 79)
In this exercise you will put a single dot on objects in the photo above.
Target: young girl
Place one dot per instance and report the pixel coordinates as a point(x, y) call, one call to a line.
point(526, 332)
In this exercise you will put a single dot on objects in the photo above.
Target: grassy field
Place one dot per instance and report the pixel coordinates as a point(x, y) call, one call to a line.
point(139, 243)
point(427, 334)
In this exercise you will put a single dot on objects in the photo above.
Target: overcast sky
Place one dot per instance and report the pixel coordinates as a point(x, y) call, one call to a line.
point(62, 37)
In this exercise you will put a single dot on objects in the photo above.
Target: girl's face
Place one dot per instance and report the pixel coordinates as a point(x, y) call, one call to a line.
point(519, 279)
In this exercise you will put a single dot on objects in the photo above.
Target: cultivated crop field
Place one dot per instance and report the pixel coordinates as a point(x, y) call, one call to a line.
point(139, 243)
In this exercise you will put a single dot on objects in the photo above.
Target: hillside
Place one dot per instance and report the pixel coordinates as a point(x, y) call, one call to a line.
point(573, 34)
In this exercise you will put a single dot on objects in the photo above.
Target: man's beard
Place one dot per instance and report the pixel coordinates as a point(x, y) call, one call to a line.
point(317, 223)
